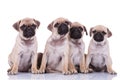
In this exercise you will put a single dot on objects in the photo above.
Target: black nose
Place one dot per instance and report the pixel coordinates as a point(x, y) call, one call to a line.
point(98, 37)
point(75, 33)
point(28, 32)
point(62, 29)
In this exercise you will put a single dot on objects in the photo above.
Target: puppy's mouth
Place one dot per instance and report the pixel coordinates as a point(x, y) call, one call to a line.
point(28, 31)
point(99, 37)
point(63, 29)
point(75, 33)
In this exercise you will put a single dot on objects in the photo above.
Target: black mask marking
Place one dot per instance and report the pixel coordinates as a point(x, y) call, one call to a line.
point(28, 31)
point(63, 29)
point(76, 32)
point(98, 36)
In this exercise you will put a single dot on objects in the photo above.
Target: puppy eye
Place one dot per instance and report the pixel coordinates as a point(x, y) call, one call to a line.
point(81, 29)
point(33, 26)
point(66, 22)
point(71, 29)
point(94, 31)
point(103, 32)
point(23, 27)
point(57, 24)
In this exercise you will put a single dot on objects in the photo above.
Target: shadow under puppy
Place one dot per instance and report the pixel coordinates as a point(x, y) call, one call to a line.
point(24, 54)
point(98, 57)
point(77, 48)
point(55, 56)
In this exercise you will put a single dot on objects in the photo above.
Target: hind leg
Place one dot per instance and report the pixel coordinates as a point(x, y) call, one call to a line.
point(10, 64)
point(13, 62)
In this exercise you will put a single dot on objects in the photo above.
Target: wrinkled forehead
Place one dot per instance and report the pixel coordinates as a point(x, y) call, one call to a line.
point(60, 20)
point(76, 24)
point(100, 28)
point(27, 21)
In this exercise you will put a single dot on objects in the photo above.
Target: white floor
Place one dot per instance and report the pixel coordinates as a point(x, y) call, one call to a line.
point(59, 76)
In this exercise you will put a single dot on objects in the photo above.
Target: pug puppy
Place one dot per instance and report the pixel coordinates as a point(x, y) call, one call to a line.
point(24, 54)
point(98, 57)
point(55, 56)
point(77, 47)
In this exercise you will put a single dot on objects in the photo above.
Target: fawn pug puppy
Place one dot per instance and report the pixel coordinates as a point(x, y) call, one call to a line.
point(55, 56)
point(77, 47)
point(24, 54)
point(98, 57)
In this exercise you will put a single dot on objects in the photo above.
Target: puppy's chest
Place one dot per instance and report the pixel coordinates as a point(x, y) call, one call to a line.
point(28, 49)
point(25, 57)
point(55, 52)
point(101, 50)
point(98, 60)
point(98, 55)
point(57, 47)
point(26, 54)
point(76, 53)
point(54, 58)
point(25, 62)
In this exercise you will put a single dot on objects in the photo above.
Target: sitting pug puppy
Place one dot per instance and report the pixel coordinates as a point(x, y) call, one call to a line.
point(55, 56)
point(77, 48)
point(24, 54)
point(98, 57)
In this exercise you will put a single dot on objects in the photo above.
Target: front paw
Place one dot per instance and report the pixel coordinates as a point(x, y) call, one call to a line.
point(86, 71)
point(112, 72)
point(83, 70)
point(12, 71)
point(66, 72)
point(73, 71)
point(41, 70)
point(34, 71)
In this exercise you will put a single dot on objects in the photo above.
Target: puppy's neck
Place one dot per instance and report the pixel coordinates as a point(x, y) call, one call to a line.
point(58, 37)
point(100, 44)
point(61, 39)
point(76, 41)
point(57, 41)
point(27, 41)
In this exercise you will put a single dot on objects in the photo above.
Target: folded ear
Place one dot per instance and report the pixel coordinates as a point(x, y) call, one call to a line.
point(16, 25)
point(109, 33)
point(50, 26)
point(68, 22)
point(90, 32)
point(37, 22)
point(85, 30)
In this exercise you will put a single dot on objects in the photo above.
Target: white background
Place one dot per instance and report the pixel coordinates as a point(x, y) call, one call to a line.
point(87, 12)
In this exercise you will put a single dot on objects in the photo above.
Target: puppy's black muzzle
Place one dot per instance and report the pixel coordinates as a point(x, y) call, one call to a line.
point(75, 33)
point(63, 29)
point(98, 37)
point(28, 32)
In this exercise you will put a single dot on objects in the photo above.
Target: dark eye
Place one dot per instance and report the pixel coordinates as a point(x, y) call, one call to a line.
point(94, 31)
point(104, 32)
point(33, 26)
point(80, 28)
point(56, 25)
point(23, 27)
point(66, 22)
point(71, 29)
